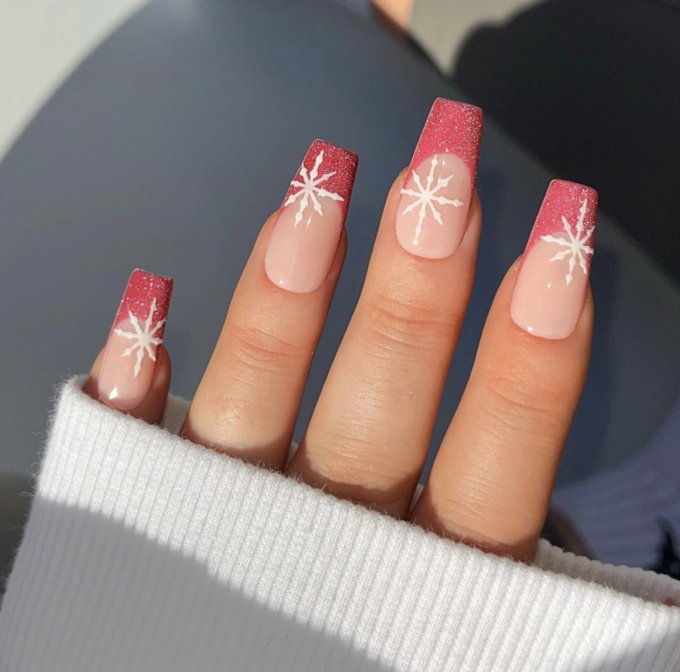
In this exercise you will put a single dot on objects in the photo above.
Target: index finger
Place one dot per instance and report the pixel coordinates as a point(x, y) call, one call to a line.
point(493, 477)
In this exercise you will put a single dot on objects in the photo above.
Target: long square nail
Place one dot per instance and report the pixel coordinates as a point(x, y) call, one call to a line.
point(432, 214)
point(307, 231)
point(129, 361)
point(553, 277)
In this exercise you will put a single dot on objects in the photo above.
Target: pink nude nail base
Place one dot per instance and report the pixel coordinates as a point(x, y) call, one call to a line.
point(307, 230)
point(553, 277)
point(129, 362)
point(432, 213)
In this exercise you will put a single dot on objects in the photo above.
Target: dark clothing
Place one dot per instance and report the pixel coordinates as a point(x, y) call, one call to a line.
point(592, 89)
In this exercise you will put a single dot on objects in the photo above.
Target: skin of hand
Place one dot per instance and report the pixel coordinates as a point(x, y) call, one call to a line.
point(367, 441)
point(395, 12)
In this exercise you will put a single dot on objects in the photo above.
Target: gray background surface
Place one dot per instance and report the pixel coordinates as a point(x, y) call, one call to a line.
point(170, 146)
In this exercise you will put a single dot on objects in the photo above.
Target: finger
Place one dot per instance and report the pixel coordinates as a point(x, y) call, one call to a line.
point(370, 431)
point(132, 373)
point(152, 407)
point(493, 476)
point(248, 399)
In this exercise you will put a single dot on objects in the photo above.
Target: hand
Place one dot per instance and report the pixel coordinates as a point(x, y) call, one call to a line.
point(491, 483)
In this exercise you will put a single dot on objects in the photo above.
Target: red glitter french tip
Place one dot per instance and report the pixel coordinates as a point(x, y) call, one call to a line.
point(129, 361)
point(432, 214)
point(553, 277)
point(306, 233)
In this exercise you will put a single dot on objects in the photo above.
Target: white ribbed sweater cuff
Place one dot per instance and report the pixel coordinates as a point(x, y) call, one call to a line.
point(146, 552)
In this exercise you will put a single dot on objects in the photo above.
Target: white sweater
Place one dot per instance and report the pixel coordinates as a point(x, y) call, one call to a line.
point(146, 552)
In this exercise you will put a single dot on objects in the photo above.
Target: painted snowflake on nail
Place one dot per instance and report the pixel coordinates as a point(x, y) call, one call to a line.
point(576, 244)
point(309, 189)
point(426, 196)
point(144, 336)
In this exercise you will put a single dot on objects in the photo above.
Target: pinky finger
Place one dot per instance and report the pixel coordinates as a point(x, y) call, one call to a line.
point(132, 372)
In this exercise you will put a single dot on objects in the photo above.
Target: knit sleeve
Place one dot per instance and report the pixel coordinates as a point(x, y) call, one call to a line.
point(144, 551)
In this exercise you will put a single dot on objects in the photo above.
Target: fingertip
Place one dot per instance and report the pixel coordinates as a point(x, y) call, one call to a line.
point(584, 327)
point(550, 291)
point(303, 242)
point(132, 372)
point(395, 188)
point(163, 372)
point(340, 254)
point(474, 226)
point(476, 205)
point(503, 317)
point(152, 407)
point(91, 387)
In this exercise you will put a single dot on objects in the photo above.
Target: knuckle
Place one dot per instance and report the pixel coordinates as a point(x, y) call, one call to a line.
point(521, 404)
point(479, 497)
point(402, 326)
point(258, 349)
point(363, 462)
point(480, 512)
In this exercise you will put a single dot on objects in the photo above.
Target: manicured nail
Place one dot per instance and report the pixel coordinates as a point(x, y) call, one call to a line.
point(553, 277)
point(307, 230)
point(129, 361)
point(432, 214)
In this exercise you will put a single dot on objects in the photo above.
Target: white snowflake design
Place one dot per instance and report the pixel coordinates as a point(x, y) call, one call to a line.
point(427, 196)
point(576, 245)
point(309, 189)
point(144, 336)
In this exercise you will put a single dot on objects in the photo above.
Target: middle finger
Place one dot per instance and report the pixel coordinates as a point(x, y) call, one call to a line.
point(369, 435)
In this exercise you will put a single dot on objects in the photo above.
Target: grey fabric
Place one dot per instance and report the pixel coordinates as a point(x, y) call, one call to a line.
point(592, 88)
point(15, 501)
point(174, 141)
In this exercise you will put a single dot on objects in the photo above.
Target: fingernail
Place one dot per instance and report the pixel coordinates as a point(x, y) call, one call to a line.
point(307, 231)
point(129, 361)
point(553, 277)
point(432, 214)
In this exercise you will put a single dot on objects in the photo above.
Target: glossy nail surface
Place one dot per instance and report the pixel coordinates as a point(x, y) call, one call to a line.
point(432, 214)
point(307, 231)
point(553, 276)
point(129, 359)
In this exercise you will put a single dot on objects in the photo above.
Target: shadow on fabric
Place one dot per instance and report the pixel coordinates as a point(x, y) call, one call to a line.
point(119, 601)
